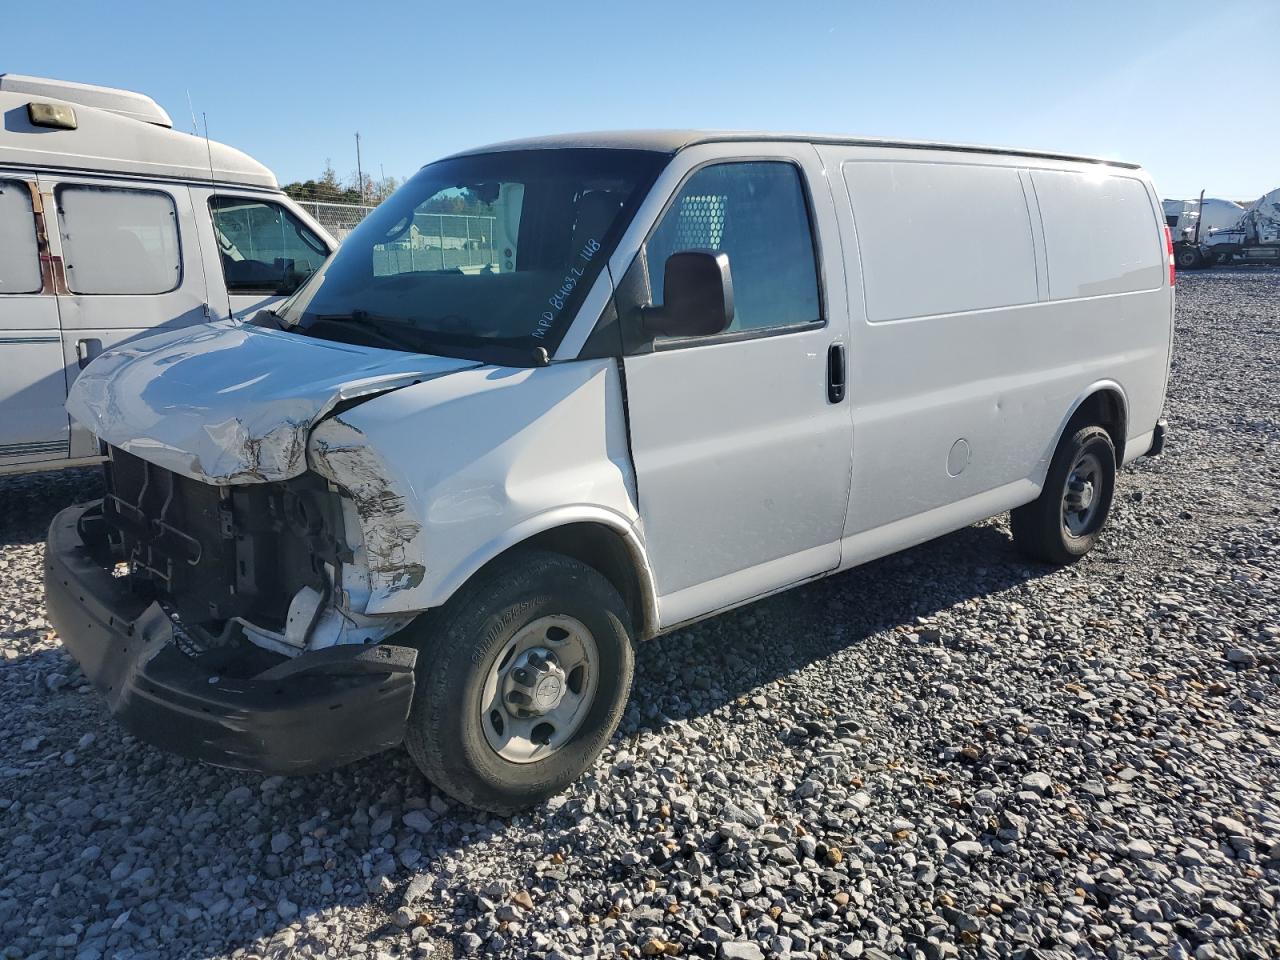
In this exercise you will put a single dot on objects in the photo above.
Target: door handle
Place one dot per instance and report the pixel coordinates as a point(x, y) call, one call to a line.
point(835, 373)
point(87, 349)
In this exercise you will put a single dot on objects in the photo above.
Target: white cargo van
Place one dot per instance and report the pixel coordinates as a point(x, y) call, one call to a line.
point(441, 490)
point(113, 224)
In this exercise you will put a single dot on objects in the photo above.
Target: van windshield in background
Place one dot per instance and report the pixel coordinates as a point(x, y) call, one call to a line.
point(487, 255)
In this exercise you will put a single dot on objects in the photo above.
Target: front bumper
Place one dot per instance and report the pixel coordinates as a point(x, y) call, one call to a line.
point(315, 711)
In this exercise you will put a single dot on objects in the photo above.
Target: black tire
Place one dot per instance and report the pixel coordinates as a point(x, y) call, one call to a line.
point(459, 646)
point(1188, 257)
point(1041, 529)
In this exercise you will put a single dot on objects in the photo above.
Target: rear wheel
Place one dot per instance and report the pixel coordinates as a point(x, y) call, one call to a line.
point(1065, 521)
point(523, 677)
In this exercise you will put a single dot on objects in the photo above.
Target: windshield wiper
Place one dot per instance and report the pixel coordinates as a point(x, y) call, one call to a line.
point(396, 335)
point(266, 318)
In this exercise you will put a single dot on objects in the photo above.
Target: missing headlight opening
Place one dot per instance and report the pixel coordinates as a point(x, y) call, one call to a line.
point(263, 563)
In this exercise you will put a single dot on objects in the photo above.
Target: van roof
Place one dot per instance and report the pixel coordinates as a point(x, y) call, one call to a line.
point(137, 106)
point(672, 141)
point(116, 132)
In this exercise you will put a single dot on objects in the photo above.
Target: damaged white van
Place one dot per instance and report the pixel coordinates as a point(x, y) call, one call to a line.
point(556, 396)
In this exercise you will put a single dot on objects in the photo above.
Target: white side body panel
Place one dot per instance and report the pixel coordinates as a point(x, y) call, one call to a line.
point(959, 398)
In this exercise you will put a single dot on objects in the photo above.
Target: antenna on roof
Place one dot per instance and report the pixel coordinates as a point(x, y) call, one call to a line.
point(207, 148)
point(195, 128)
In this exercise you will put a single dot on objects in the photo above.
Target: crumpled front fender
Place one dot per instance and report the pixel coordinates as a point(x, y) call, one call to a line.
point(392, 547)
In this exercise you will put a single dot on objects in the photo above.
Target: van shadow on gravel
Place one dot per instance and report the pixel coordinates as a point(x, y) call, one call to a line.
point(756, 644)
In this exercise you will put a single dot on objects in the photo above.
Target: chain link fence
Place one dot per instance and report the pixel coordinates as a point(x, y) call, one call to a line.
point(338, 218)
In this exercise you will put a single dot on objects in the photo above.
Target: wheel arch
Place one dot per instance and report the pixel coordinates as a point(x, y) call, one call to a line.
point(597, 537)
point(1104, 403)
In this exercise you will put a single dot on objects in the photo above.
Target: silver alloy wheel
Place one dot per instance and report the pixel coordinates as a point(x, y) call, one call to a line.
point(539, 689)
point(1081, 495)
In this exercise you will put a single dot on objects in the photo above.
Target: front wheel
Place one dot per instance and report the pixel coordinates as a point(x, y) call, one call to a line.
point(523, 677)
point(1064, 522)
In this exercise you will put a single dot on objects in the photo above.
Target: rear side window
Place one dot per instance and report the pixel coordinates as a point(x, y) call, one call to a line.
point(117, 241)
point(940, 238)
point(264, 248)
point(755, 212)
point(1101, 235)
point(19, 255)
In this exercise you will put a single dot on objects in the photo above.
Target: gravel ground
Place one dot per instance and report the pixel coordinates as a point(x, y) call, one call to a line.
point(948, 752)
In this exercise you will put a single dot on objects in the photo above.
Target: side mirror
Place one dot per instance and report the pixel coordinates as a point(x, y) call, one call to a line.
point(698, 296)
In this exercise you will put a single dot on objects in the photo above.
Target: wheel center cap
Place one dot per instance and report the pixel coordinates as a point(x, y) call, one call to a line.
point(547, 694)
point(535, 684)
point(1085, 497)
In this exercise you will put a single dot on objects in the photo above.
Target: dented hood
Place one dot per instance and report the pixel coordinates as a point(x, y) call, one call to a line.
point(231, 403)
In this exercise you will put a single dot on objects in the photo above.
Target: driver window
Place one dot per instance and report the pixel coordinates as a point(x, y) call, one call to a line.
point(263, 247)
point(754, 211)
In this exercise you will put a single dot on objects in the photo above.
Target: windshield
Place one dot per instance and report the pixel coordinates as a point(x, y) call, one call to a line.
point(487, 255)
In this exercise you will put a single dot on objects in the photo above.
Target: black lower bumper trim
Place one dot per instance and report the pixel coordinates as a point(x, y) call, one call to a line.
point(314, 712)
point(1158, 438)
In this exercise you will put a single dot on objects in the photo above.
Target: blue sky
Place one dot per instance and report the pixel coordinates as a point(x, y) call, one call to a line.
point(291, 82)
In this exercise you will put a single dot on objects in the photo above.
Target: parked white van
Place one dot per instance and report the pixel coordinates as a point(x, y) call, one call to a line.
point(113, 224)
point(437, 500)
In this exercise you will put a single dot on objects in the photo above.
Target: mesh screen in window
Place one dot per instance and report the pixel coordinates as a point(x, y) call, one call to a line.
point(119, 241)
point(19, 255)
point(755, 212)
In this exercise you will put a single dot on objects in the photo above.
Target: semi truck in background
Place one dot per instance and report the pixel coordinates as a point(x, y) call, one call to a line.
point(1207, 230)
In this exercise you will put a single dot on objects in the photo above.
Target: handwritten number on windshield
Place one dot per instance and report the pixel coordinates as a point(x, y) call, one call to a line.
point(561, 295)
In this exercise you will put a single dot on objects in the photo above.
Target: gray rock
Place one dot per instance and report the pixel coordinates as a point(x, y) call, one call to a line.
point(418, 821)
point(737, 814)
point(1140, 849)
point(1230, 826)
point(1039, 782)
point(1242, 658)
point(1148, 911)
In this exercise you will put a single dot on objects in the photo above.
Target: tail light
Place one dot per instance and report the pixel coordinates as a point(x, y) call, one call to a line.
point(1168, 243)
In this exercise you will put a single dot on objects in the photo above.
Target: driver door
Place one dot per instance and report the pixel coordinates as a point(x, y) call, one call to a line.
point(261, 251)
point(742, 444)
